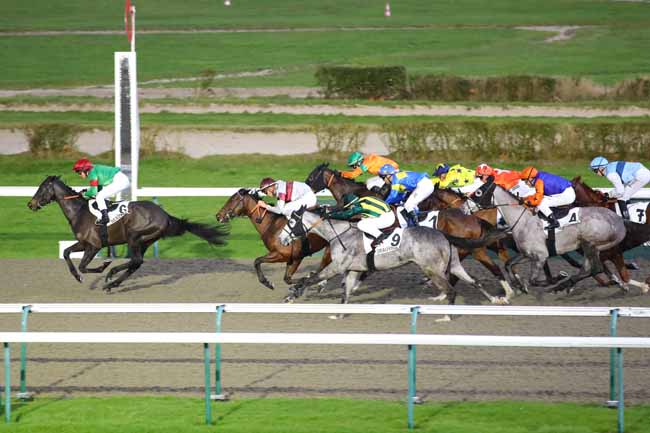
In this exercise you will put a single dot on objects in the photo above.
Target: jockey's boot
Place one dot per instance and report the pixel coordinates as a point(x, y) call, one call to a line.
point(552, 222)
point(622, 204)
point(407, 217)
point(104, 219)
point(414, 217)
point(378, 240)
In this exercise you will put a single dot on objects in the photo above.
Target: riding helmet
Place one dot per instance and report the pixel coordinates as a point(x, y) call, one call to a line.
point(598, 162)
point(484, 170)
point(387, 170)
point(441, 168)
point(82, 165)
point(529, 173)
point(355, 159)
point(267, 182)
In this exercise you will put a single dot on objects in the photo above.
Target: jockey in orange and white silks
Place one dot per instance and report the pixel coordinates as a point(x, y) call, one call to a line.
point(550, 191)
point(291, 195)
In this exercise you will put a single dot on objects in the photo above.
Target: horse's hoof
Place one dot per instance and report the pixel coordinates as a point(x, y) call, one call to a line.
point(268, 284)
point(321, 286)
point(79, 278)
point(336, 317)
point(441, 297)
point(500, 300)
point(445, 318)
point(289, 300)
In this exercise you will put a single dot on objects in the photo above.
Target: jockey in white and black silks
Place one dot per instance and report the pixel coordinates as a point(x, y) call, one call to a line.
point(291, 195)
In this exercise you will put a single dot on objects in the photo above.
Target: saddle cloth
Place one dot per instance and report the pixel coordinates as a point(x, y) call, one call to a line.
point(571, 217)
point(425, 219)
point(637, 211)
point(116, 210)
point(391, 243)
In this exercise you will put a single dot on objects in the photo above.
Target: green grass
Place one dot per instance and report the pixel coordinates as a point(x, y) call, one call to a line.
point(28, 234)
point(86, 60)
point(170, 14)
point(167, 414)
point(264, 121)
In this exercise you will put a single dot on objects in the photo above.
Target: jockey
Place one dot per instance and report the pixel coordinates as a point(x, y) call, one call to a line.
point(550, 191)
point(627, 177)
point(506, 179)
point(370, 163)
point(456, 177)
point(403, 182)
point(105, 181)
point(291, 195)
point(375, 215)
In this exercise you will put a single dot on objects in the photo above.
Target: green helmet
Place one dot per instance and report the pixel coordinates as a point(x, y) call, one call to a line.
point(355, 158)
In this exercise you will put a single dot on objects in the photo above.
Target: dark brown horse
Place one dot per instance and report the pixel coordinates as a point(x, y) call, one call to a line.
point(322, 177)
point(145, 223)
point(636, 234)
point(269, 225)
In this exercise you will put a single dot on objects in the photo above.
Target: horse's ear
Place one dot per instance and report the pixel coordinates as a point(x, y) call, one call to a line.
point(301, 210)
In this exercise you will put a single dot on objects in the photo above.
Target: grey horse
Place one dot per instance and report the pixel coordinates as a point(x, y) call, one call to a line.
point(424, 246)
point(599, 229)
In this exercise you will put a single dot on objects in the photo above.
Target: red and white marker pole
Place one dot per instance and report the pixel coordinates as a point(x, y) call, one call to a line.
point(129, 23)
point(387, 10)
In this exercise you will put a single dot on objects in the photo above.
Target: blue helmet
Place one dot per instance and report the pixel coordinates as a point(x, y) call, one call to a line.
point(598, 162)
point(441, 168)
point(387, 170)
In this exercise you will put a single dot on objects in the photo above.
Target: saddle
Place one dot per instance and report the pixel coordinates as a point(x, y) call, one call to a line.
point(110, 205)
point(562, 211)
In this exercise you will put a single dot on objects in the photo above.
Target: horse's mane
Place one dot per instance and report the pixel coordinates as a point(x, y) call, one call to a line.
point(57, 181)
point(336, 173)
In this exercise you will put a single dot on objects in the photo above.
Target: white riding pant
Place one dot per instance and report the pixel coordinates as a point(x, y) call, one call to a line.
point(375, 181)
point(423, 190)
point(308, 200)
point(567, 196)
point(373, 225)
point(641, 178)
point(522, 189)
point(120, 183)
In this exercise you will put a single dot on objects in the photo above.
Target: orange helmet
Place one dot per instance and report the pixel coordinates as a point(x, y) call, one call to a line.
point(529, 173)
point(267, 182)
point(484, 170)
point(82, 165)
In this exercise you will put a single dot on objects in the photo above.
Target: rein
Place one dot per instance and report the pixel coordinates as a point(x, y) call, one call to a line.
point(70, 197)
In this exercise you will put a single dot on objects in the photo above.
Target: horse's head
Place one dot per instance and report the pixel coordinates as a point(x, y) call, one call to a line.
point(586, 195)
point(483, 195)
point(295, 228)
point(46, 193)
point(316, 179)
point(449, 197)
point(236, 205)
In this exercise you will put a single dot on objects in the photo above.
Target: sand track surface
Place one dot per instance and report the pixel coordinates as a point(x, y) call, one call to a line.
point(314, 371)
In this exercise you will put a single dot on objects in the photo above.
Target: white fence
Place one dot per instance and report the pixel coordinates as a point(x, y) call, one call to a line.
point(29, 191)
point(617, 344)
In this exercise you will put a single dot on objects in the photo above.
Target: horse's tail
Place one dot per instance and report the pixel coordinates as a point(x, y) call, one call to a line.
point(213, 234)
point(493, 235)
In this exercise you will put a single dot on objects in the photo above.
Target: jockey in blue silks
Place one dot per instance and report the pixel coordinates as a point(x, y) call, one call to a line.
point(404, 182)
point(627, 177)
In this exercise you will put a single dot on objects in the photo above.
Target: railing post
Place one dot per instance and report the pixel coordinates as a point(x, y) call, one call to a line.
point(411, 369)
point(155, 244)
point(206, 364)
point(612, 402)
point(621, 408)
point(7, 383)
point(218, 393)
point(23, 394)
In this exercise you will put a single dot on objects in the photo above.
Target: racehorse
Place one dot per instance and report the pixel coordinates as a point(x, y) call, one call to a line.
point(636, 234)
point(144, 224)
point(322, 177)
point(268, 225)
point(428, 248)
point(598, 230)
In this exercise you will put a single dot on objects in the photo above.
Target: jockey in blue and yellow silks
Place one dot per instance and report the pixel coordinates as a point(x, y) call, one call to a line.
point(627, 177)
point(550, 191)
point(404, 182)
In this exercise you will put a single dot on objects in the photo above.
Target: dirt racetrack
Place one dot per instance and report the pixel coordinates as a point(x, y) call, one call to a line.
point(312, 371)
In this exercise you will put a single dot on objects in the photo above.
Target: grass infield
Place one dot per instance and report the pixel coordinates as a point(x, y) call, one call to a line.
point(167, 414)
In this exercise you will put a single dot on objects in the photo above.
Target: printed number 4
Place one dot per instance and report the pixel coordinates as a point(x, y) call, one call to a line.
point(394, 241)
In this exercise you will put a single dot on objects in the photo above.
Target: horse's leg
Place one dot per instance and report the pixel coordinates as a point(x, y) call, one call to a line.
point(271, 257)
point(137, 254)
point(89, 254)
point(325, 261)
point(509, 266)
point(79, 246)
point(351, 282)
point(325, 274)
point(447, 292)
point(455, 268)
point(483, 257)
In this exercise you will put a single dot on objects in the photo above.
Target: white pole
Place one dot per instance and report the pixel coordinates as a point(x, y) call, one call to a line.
point(133, 29)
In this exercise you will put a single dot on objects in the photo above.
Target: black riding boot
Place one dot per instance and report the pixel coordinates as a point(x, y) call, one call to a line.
point(414, 217)
point(378, 240)
point(104, 219)
point(407, 217)
point(622, 204)
point(552, 222)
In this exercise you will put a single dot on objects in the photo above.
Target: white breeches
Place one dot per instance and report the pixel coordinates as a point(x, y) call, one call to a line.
point(308, 200)
point(641, 178)
point(120, 183)
point(375, 181)
point(373, 225)
point(568, 196)
point(423, 190)
point(522, 189)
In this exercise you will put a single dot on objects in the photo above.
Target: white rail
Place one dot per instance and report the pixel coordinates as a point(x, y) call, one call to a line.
point(307, 338)
point(478, 310)
point(29, 191)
